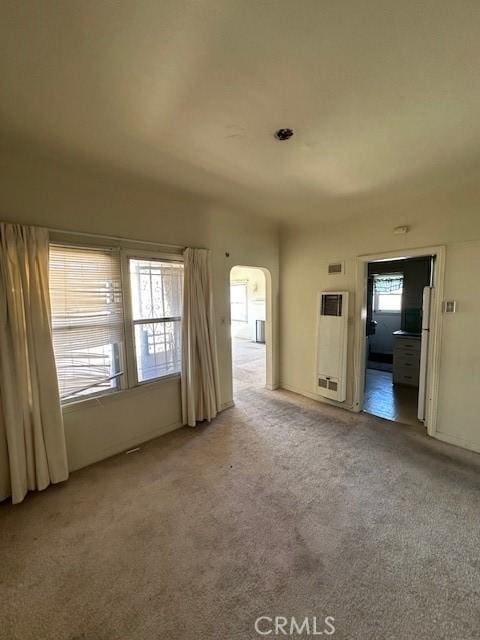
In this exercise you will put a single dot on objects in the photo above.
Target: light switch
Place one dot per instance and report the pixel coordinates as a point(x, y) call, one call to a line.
point(450, 306)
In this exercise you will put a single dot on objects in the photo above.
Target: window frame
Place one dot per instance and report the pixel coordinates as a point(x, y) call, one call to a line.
point(129, 380)
point(239, 283)
point(377, 294)
point(387, 311)
point(130, 354)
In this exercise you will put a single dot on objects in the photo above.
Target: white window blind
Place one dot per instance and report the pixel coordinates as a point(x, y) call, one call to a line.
point(156, 291)
point(87, 319)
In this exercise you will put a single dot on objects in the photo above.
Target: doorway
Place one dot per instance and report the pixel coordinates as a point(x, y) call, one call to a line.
point(248, 316)
point(396, 337)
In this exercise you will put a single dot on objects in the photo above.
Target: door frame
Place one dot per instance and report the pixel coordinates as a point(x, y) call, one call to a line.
point(436, 321)
point(270, 377)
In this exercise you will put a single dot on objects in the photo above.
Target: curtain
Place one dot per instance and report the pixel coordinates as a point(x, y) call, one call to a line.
point(388, 284)
point(32, 440)
point(200, 379)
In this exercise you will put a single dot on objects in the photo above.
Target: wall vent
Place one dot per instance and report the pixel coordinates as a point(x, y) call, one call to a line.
point(331, 304)
point(332, 338)
point(335, 267)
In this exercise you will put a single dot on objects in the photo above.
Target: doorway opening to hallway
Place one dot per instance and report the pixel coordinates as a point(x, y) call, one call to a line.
point(248, 298)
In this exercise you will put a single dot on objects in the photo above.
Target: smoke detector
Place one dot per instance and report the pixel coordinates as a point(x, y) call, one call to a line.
point(284, 134)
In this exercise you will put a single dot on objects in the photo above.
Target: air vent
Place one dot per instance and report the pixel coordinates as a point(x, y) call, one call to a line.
point(331, 304)
point(332, 339)
point(335, 267)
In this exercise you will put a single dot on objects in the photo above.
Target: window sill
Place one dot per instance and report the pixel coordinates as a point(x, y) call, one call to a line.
point(113, 396)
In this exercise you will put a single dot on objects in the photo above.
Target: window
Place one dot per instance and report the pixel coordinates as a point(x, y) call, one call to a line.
point(238, 301)
point(156, 292)
point(87, 320)
point(88, 298)
point(388, 291)
point(389, 302)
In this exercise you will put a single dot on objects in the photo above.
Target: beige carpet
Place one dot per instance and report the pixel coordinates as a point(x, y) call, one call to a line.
point(280, 507)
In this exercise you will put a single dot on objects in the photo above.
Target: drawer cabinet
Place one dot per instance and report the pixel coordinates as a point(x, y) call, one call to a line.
point(406, 345)
point(406, 360)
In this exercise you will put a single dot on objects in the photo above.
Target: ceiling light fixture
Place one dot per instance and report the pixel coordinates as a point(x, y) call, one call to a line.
point(283, 134)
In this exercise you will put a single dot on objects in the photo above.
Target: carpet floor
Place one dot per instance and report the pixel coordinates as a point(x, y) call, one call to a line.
point(280, 507)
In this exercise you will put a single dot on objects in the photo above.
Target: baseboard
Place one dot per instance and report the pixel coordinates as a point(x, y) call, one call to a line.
point(130, 443)
point(124, 445)
point(272, 387)
point(318, 398)
point(458, 442)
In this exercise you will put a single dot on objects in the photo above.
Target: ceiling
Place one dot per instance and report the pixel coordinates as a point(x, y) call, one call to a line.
point(384, 96)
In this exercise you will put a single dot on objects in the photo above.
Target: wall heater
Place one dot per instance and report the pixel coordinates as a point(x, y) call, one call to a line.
point(332, 336)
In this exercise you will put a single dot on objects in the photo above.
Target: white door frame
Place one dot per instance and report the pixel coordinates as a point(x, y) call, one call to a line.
point(270, 364)
point(436, 318)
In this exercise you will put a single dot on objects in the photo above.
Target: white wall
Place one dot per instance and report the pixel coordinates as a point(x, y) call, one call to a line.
point(52, 191)
point(450, 218)
point(256, 293)
point(459, 408)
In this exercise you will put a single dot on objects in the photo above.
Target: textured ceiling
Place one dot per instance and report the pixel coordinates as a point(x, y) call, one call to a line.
point(384, 96)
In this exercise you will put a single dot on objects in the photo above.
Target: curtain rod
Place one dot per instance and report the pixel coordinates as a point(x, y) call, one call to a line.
point(85, 234)
point(115, 238)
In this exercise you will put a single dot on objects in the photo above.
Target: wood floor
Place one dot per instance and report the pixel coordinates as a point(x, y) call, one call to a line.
point(383, 399)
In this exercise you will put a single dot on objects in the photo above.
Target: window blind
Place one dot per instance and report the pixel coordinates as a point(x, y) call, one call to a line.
point(87, 319)
point(388, 284)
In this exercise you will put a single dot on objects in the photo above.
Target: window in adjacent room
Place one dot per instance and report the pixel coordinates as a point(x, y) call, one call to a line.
point(239, 301)
point(87, 320)
point(388, 290)
point(156, 289)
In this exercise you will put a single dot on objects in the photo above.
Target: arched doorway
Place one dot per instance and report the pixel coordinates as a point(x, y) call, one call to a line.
point(249, 330)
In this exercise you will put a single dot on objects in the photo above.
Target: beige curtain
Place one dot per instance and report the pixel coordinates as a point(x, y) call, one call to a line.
point(32, 440)
point(200, 380)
